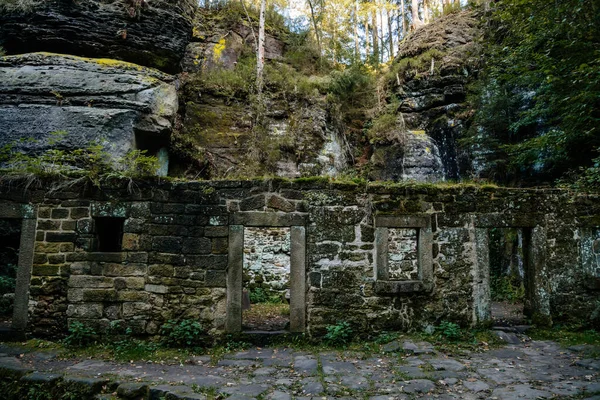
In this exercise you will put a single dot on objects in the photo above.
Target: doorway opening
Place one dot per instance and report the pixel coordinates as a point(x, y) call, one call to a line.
point(509, 274)
point(266, 279)
point(10, 239)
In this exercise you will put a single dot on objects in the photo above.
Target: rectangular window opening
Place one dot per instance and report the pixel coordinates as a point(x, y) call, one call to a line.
point(10, 240)
point(403, 257)
point(109, 234)
point(266, 279)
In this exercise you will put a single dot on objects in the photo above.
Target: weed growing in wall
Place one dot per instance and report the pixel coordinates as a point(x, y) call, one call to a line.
point(338, 334)
point(183, 333)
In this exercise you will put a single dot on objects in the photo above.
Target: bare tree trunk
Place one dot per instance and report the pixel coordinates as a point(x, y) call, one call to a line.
point(260, 51)
point(313, 17)
point(367, 48)
point(356, 44)
point(425, 11)
point(381, 36)
point(414, 9)
point(390, 35)
point(375, 31)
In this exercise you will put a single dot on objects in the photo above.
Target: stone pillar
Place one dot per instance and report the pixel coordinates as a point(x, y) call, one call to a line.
point(235, 268)
point(381, 254)
point(481, 278)
point(538, 290)
point(298, 279)
point(21, 305)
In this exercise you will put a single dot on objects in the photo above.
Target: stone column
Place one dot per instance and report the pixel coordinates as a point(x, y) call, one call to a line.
point(234, 278)
point(381, 254)
point(298, 279)
point(481, 278)
point(21, 305)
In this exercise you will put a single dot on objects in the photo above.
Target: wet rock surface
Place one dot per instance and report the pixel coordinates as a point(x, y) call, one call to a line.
point(538, 369)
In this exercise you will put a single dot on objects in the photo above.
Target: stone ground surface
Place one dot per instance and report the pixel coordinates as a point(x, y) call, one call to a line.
point(532, 370)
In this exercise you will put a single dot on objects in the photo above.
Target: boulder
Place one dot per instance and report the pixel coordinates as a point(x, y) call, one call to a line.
point(92, 100)
point(152, 33)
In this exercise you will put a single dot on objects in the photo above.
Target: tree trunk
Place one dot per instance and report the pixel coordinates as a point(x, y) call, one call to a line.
point(313, 17)
point(367, 48)
point(414, 9)
point(425, 11)
point(356, 44)
point(375, 31)
point(390, 35)
point(260, 51)
point(381, 35)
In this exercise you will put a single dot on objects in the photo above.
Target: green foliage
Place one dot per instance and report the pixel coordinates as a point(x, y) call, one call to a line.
point(80, 334)
point(93, 163)
point(338, 334)
point(2, 52)
point(260, 295)
point(450, 330)
point(506, 288)
point(538, 105)
point(186, 332)
point(412, 66)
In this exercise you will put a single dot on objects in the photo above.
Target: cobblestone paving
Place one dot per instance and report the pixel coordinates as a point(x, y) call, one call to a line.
point(534, 370)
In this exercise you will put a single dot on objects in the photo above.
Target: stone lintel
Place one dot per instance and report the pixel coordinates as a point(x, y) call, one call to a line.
point(270, 219)
point(402, 221)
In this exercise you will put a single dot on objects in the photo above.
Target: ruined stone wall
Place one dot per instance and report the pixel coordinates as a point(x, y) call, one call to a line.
point(176, 248)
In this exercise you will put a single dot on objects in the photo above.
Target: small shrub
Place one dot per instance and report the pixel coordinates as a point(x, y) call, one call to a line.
point(183, 333)
point(450, 330)
point(260, 295)
point(80, 334)
point(338, 334)
point(508, 289)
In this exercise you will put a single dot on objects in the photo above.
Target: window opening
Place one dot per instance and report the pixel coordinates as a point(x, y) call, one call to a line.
point(403, 258)
point(109, 234)
point(266, 279)
point(10, 238)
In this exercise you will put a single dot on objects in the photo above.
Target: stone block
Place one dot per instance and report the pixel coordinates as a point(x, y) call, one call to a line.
point(279, 203)
point(135, 309)
point(131, 241)
point(99, 295)
point(134, 225)
point(161, 289)
point(48, 225)
point(140, 257)
point(80, 212)
point(132, 295)
point(220, 245)
point(87, 311)
point(166, 244)
point(172, 259)
point(60, 213)
point(47, 270)
point(197, 246)
point(124, 269)
point(215, 278)
point(215, 262)
point(68, 225)
point(86, 281)
point(129, 283)
point(60, 237)
point(116, 257)
point(85, 226)
point(216, 231)
point(56, 259)
point(253, 203)
point(160, 270)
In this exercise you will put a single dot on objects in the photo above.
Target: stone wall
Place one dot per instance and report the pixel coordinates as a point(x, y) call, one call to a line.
point(176, 248)
point(267, 258)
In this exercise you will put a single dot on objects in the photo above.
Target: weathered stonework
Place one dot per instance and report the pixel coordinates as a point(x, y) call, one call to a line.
point(182, 253)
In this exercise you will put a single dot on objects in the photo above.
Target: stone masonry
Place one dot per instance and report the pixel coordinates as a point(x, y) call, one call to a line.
point(176, 252)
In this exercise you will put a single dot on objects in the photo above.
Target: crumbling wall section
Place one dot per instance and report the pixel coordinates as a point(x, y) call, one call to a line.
point(173, 256)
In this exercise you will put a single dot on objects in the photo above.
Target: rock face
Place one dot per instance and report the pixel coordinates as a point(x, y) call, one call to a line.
point(432, 70)
point(103, 100)
point(220, 127)
point(149, 33)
